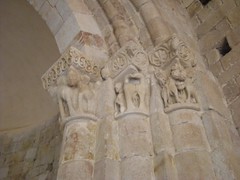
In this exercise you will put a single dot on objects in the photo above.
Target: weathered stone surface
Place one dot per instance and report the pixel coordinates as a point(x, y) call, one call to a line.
point(31, 154)
point(67, 33)
point(216, 130)
point(4, 172)
point(79, 141)
point(107, 169)
point(81, 169)
point(213, 56)
point(188, 136)
point(231, 91)
point(233, 37)
point(164, 166)
point(54, 20)
point(228, 74)
point(135, 137)
point(236, 113)
point(234, 17)
point(210, 95)
point(213, 19)
point(137, 167)
point(194, 165)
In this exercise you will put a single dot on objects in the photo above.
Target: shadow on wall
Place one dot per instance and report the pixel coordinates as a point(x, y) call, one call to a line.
point(27, 49)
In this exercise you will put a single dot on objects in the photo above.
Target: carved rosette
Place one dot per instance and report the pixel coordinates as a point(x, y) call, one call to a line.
point(72, 57)
point(131, 54)
point(174, 66)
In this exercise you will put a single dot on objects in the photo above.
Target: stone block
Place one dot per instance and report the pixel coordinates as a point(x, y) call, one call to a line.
point(63, 9)
point(227, 6)
point(236, 113)
point(216, 130)
point(194, 8)
point(107, 141)
point(223, 26)
point(194, 165)
point(210, 94)
point(67, 33)
point(195, 21)
point(79, 141)
point(4, 172)
point(228, 74)
point(45, 9)
point(216, 69)
point(78, 6)
point(238, 80)
point(231, 90)
point(230, 59)
point(215, 4)
point(37, 4)
point(187, 3)
point(233, 37)
point(221, 164)
point(161, 132)
point(137, 167)
point(107, 169)
point(212, 20)
point(164, 166)
point(204, 13)
point(87, 23)
point(81, 170)
point(189, 136)
point(53, 2)
point(54, 20)
point(209, 40)
point(213, 56)
point(234, 17)
point(135, 137)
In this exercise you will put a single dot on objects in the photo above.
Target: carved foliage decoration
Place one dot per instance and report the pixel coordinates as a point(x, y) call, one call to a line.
point(131, 54)
point(72, 57)
point(173, 48)
point(174, 67)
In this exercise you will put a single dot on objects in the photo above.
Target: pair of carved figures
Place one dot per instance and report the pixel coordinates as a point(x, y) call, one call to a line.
point(131, 95)
point(76, 95)
point(177, 86)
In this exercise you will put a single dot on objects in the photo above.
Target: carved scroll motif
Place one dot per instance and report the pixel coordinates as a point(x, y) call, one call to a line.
point(131, 54)
point(72, 57)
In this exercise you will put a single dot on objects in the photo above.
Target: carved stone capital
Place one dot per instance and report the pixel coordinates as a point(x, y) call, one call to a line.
point(174, 68)
point(131, 56)
point(72, 57)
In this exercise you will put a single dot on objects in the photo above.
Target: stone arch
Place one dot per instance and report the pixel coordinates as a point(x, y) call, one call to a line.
point(203, 142)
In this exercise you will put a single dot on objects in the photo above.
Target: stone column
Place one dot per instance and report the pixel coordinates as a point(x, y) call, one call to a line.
point(135, 147)
point(192, 157)
point(156, 25)
point(73, 81)
point(78, 149)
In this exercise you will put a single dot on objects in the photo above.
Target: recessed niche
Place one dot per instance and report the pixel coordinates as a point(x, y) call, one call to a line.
point(204, 2)
point(224, 47)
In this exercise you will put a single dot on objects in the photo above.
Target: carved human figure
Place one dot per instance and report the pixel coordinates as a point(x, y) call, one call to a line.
point(135, 90)
point(163, 82)
point(67, 94)
point(74, 94)
point(120, 102)
point(86, 97)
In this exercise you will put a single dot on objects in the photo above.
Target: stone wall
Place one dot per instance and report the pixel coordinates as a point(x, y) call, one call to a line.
point(217, 24)
point(31, 155)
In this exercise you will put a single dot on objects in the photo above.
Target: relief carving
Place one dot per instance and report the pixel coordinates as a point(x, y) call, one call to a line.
point(132, 54)
point(132, 95)
point(76, 95)
point(174, 67)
